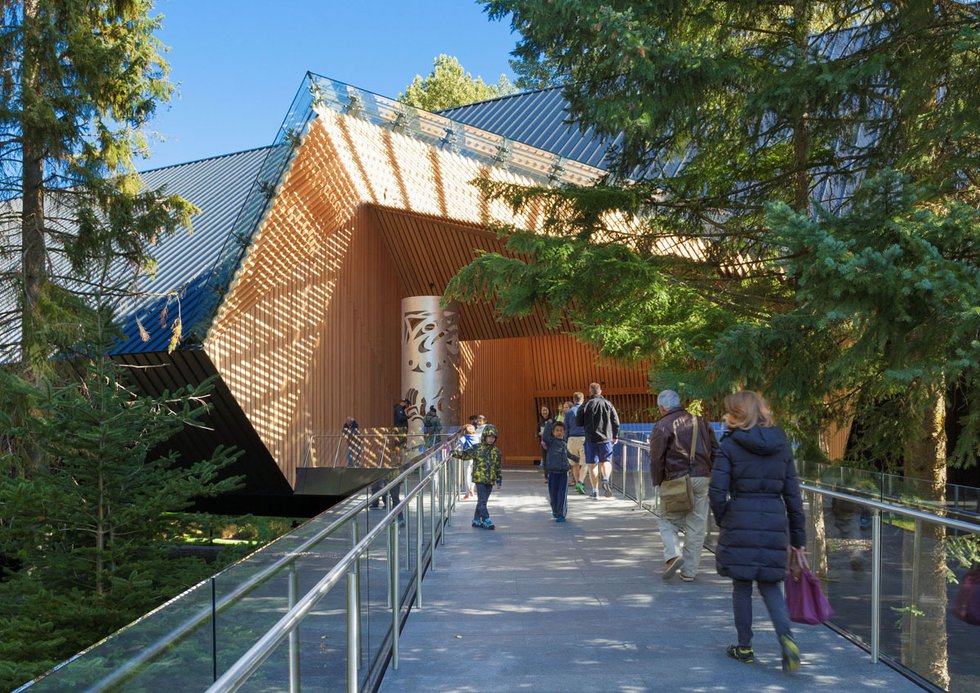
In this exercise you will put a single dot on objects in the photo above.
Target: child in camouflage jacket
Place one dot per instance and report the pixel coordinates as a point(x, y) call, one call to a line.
point(486, 470)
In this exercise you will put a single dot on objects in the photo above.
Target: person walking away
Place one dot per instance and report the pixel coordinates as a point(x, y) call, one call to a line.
point(681, 444)
point(557, 466)
point(755, 498)
point(576, 441)
point(351, 432)
point(601, 423)
point(432, 427)
point(487, 465)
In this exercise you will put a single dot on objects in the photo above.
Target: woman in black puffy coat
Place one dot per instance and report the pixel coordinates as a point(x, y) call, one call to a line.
point(755, 498)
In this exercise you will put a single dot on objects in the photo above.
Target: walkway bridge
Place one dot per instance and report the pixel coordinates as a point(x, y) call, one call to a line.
point(537, 605)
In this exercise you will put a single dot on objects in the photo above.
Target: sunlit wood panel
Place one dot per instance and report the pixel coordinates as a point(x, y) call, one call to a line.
point(309, 334)
point(309, 331)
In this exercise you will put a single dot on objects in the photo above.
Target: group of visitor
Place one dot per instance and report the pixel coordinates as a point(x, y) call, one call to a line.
point(591, 429)
point(748, 479)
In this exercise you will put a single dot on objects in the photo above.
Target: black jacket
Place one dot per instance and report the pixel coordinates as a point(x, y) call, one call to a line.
point(599, 419)
point(755, 498)
point(400, 417)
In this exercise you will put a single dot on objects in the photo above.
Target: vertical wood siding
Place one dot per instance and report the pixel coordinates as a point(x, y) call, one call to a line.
point(311, 332)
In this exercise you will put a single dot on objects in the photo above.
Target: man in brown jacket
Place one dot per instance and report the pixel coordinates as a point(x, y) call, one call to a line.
point(671, 446)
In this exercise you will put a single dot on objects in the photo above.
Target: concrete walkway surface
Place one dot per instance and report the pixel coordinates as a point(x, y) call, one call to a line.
point(540, 606)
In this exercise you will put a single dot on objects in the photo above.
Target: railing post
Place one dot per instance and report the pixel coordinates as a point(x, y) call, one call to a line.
point(625, 495)
point(875, 583)
point(432, 521)
point(294, 684)
point(214, 630)
point(407, 524)
point(916, 566)
point(393, 591)
point(641, 487)
point(419, 528)
point(353, 637)
point(443, 521)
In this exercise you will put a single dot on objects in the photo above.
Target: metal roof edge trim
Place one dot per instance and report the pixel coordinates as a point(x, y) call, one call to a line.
point(442, 131)
point(202, 159)
point(224, 274)
point(443, 111)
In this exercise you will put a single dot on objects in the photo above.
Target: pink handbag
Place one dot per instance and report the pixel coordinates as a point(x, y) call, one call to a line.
point(805, 599)
point(966, 605)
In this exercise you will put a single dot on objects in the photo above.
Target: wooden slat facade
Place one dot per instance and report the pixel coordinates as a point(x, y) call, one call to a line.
point(309, 332)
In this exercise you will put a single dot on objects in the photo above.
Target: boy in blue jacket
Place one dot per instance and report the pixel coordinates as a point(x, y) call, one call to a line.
point(556, 465)
point(486, 469)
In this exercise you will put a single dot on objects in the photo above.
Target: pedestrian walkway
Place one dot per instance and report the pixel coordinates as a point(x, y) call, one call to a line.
point(542, 606)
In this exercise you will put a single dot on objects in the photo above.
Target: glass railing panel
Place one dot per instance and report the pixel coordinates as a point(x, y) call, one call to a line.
point(923, 626)
point(375, 604)
point(273, 673)
point(960, 502)
point(322, 656)
point(148, 635)
point(846, 570)
point(963, 610)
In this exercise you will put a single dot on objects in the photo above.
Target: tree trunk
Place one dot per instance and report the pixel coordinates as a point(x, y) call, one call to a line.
point(924, 642)
point(32, 215)
point(801, 132)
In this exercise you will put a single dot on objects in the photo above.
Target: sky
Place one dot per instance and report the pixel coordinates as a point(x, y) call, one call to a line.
point(238, 63)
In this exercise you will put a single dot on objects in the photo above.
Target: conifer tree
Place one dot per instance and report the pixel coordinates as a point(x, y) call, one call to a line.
point(803, 190)
point(449, 84)
point(87, 483)
point(92, 530)
point(80, 80)
point(731, 114)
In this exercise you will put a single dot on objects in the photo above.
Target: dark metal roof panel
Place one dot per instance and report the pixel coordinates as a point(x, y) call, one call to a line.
point(539, 119)
point(218, 187)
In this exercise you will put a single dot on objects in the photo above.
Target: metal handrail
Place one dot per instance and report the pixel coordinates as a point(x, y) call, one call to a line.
point(877, 507)
point(895, 509)
point(239, 672)
point(868, 502)
point(165, 641)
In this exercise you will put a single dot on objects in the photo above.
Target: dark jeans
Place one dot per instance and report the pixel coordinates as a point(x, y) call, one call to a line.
point(483, 492)
point(558, 493)
point(772, 594)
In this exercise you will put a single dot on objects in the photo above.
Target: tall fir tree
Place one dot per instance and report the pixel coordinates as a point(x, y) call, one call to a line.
point(86, 526)
point(801, 189)
point(80, 80)
point(729, 114)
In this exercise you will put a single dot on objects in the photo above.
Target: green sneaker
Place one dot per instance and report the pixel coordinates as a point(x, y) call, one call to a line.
point(580, 488)
point(791, 654)
point(742, 654)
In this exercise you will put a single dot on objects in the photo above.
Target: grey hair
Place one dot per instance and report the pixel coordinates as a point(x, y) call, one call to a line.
point(595, 388)
point(668, 399)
